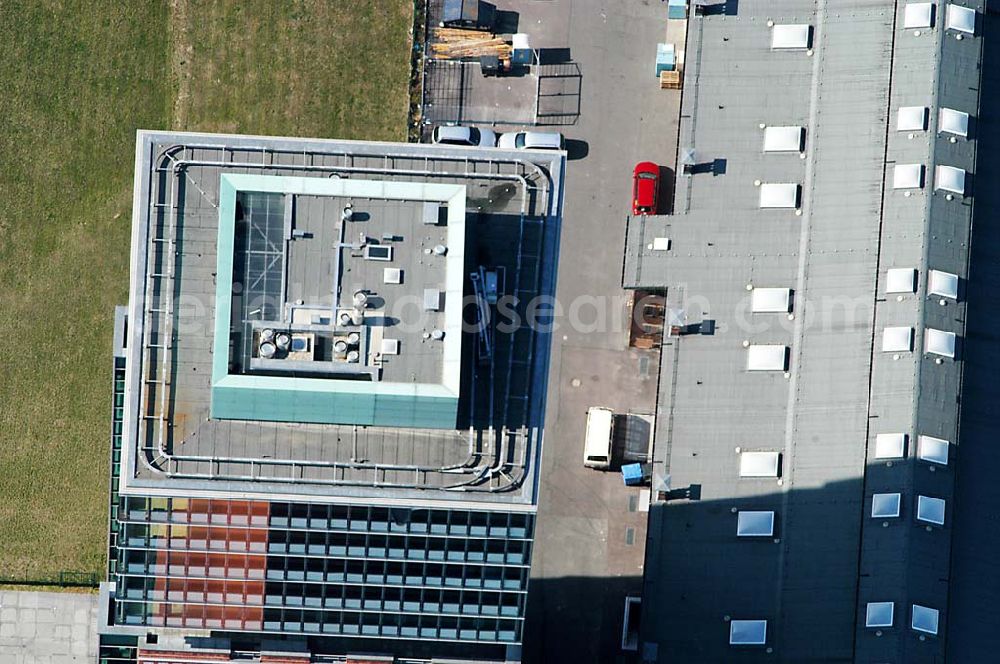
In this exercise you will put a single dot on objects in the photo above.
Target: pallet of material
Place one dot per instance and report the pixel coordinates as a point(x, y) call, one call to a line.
point(671, 79)
point(458, 43)
point(459, 34)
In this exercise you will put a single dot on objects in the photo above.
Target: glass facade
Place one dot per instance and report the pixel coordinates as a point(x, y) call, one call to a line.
point(117, 416)
point(442, 574)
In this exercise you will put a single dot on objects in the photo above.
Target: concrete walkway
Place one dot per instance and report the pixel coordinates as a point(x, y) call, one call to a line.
point(48, 628)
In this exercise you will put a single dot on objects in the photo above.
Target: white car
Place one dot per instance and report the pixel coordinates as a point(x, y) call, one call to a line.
point(532, 140)
point(471, 136)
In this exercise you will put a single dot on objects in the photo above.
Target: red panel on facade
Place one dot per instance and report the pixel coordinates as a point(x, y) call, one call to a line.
point(226, 575)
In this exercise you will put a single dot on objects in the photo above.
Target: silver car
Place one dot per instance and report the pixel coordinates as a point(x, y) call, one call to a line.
point(455, 135)
point(532, 140)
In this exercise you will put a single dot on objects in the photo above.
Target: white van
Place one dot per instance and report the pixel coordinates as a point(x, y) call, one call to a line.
point(600, 434)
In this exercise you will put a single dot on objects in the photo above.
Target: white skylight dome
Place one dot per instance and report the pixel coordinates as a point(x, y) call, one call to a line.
point(755, 523)
point(890, 445)
point(790, 37)
point(759, 464)
point(949, 178)
point(766, 357)
point(783, 139)
point(918, 15)
point(930, 510)
point(770, 300)
point(879, 614)
point(897, 339)
point(908, 176)
point(939, 342)
point(901, 280)
point(885, 505)
point(779, 195)
point(747, 632)
point(962, 19)
point(911, 118)
point(934, 450)
point(941, 283)
point(953, 122)
point(924, 619)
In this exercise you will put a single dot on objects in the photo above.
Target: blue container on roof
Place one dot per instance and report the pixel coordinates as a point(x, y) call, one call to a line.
point(632, 474)
point(677, 9)
point(665, 58)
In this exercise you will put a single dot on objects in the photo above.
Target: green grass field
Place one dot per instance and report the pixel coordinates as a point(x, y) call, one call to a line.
point(78, 79)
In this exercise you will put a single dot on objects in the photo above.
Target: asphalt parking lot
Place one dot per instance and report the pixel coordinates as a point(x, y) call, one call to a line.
point(591, 528)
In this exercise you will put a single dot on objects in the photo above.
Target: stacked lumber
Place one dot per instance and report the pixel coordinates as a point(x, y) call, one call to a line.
point(458, 43)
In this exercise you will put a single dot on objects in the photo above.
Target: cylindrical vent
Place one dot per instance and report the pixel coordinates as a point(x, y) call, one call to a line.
point(348, 212)
point(340, 346)
point(353, 338)
point(267, 349)
point(357, 317)
point(266, 334)
point(437, 335)
point(345, 318)
point(360, 299)
point(353, 356)
point(282, 341)
point(440, 249)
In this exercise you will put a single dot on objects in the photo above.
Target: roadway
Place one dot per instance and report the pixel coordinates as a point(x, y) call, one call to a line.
point(583, 566)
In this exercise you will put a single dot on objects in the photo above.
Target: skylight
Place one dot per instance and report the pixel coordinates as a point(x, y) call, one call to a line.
point(890, 445)
point(953, 122)
point(755, 523)
point(759, 464)
point(961, 19)
point(918, 15)
point(949, 178)
point(930, 510)
point(885, 505)
point(939, 342)
point(897, 339)
point(770, 300)
point(767, 358)
point(925, 619)
point(901, 280)
point(944, 284)
point(790, 36)
point(908, 176)
point(783, 139)
point(879, 614)
point(779, 195)
point(747, 632)
point(932, 449)
point(911, 118)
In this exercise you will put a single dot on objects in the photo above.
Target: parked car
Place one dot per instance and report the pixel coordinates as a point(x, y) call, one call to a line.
point(532, 140)
point(455, 135)
point(645, 188)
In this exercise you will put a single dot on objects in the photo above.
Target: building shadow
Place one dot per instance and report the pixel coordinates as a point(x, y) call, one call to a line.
point(576, 149)
point(578, 619)
point(975, 585)
point(665, 202)
point(724, 8)
point(823, 550)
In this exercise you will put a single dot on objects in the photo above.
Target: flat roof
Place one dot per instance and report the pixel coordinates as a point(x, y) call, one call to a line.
point(825, 412)
point(292, 264)
point(289, 274)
